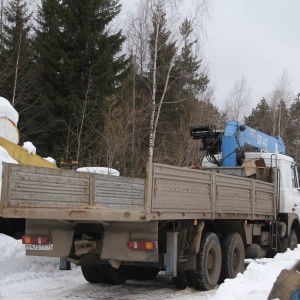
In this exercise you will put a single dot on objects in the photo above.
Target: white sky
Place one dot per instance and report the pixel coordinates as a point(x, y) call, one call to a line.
point(255, 39)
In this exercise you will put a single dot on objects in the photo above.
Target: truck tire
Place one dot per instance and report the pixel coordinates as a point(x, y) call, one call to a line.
point(208, 263)
point(183, 280)
point(116, 276)
point(255, 251)
point(91, 274)
point(233, 256)
point(293, 240)
point(143, 273)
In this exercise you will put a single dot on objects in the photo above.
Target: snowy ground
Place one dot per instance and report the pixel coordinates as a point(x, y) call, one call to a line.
point(24, 277)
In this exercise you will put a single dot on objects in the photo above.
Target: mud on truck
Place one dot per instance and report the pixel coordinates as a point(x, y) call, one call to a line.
point(196, 225)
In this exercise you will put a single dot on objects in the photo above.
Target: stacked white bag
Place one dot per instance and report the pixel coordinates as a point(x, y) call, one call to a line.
point(9, 118)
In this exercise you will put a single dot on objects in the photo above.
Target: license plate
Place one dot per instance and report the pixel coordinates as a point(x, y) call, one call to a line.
point(48, 247)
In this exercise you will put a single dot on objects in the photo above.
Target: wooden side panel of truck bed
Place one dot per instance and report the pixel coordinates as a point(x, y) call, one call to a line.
point(167, 193)
point(43, 193)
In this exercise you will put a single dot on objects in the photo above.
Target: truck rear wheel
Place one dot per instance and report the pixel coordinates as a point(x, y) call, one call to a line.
point(233, 256)
point(91, 274)
point(182, 280)
point(143, 273)
point(208, 263)
point(115, 276)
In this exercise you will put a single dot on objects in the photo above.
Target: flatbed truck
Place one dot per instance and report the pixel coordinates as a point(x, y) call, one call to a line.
point(196, 225)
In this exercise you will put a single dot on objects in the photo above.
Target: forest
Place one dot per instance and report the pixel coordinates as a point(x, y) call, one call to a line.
point(104, 88)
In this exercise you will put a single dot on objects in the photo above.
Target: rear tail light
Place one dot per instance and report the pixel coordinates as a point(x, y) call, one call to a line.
point(142, 245)
point(34, 240)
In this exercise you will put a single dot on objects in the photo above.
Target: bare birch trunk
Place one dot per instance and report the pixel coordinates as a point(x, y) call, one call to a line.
point(16, 72)
point(154, 88)
point(82, 119)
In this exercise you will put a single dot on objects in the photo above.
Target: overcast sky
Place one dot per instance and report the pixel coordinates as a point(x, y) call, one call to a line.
point(257, 39)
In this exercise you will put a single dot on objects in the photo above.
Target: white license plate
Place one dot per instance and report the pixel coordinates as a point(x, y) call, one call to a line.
point(48, 247)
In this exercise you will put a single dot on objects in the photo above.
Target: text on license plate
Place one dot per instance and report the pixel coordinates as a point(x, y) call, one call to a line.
point(48, 247)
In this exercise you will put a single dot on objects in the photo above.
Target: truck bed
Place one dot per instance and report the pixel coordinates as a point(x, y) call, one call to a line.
point(167, 193)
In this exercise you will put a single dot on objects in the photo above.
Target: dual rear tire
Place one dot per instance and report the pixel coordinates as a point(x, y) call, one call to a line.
point(143, 273)
point(215, 262)
point(233, 256)
point(105, 274)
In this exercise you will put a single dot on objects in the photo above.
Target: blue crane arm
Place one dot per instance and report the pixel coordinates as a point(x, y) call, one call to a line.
point(238, 135)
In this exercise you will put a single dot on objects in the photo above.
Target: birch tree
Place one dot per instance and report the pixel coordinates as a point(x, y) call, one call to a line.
point(160, 47)
point(237, 102)
point(279, 100)
point(166, 71)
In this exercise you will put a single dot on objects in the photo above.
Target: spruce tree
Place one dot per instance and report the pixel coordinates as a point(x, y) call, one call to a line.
point(82, 65)
point(18, 69)
point(260, 117)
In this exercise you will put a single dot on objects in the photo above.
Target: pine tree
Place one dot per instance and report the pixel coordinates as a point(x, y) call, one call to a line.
point(274, 122)
point(81, 66)
point(260, 117)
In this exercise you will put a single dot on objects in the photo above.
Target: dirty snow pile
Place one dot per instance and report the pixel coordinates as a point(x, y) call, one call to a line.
point(26, 277)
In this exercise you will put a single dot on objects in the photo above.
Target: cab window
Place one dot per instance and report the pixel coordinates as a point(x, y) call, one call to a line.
point(294, 176)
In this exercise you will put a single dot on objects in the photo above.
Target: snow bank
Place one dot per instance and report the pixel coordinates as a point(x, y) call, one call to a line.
point(13, 259)
point(258, 279)
point(7, 111)
point(100, 170)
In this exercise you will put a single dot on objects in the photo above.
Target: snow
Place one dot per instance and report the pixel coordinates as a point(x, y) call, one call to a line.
point(9, 118)
point(4, 157)
point(9, 131)
point(25, 277)
point(50, 159)
point(7, 111)
point(100, 170)
point(29, 147)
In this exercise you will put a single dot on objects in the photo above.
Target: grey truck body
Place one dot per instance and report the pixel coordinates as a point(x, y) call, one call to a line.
point(188, 217)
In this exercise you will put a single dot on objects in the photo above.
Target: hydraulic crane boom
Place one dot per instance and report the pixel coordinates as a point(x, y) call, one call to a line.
point(232, 141)
point(237, 135)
